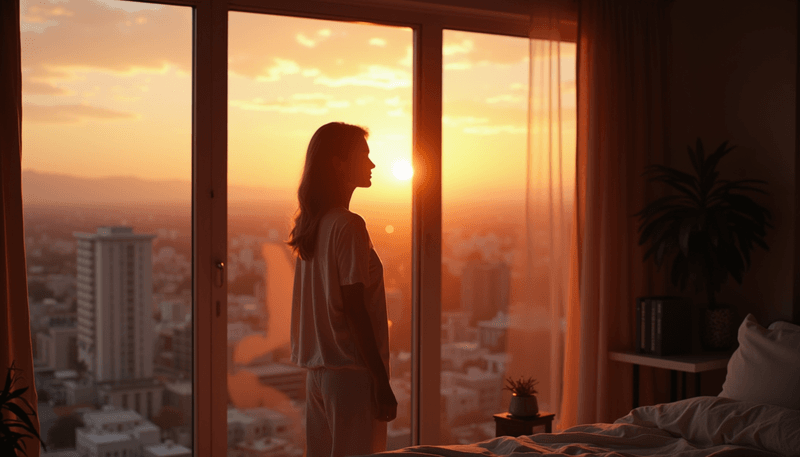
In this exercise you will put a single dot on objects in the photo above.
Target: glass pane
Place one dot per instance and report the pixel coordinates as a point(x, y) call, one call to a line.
point(486, 296)
point(107, 200)
point(289, 76)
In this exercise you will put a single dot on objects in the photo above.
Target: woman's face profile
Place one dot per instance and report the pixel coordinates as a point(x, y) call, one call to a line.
point(357, 170)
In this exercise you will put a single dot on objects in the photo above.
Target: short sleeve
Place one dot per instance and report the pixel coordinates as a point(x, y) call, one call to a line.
point(352, 253)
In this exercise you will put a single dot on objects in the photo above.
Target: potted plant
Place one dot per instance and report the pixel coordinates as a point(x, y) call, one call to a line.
point(15, 424)
point(523, 397)
point(705, 231)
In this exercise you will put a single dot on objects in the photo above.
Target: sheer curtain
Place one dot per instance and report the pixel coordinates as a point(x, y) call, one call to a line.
point(621, 65)
point(591, 135)
point(549, 199)
point(14, 316)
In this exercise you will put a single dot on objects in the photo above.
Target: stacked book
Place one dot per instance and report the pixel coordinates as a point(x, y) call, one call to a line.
point(663, 325)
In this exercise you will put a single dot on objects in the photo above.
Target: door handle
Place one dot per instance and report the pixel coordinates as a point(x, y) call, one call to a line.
point(220, 273)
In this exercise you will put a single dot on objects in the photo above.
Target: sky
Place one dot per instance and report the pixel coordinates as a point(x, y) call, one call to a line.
point(107, 92)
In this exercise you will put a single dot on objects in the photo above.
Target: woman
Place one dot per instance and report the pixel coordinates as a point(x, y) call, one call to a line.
point(339, 325)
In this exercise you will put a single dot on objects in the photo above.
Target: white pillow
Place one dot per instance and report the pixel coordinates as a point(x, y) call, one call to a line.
point(783, 325)
point(766, 366)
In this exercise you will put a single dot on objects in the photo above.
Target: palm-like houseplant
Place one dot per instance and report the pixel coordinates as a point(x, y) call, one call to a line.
point(15, 412)
point(706, 228)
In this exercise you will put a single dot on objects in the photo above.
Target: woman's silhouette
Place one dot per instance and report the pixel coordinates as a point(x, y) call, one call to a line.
point(339, 326)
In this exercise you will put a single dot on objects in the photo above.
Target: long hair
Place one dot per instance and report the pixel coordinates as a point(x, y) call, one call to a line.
point(319, 185)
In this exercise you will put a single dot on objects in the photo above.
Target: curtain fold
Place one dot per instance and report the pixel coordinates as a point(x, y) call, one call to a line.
point(549, 192)
point(14, 314)
point(622, 59)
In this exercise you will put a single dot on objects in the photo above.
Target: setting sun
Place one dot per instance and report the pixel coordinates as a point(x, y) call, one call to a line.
point(402, 170)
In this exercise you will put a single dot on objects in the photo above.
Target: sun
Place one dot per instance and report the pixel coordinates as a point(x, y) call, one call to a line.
point(402, 170)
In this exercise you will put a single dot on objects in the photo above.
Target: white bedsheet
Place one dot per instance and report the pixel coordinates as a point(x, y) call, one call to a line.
point(701, 426)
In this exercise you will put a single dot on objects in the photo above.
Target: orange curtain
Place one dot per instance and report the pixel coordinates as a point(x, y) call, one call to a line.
point(622, 58)
point(549, 197)
point(14, 314)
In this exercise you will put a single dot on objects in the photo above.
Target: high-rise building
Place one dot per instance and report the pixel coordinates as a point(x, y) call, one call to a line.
point(485, 289)
point(114, 288)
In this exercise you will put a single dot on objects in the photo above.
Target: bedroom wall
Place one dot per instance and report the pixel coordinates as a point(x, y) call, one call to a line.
point(734, 78)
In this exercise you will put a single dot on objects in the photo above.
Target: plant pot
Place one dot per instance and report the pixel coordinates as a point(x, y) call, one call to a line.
point(523, 406)
point(718, 331)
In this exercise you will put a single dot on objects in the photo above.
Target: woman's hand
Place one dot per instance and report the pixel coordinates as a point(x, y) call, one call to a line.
point(385, 402)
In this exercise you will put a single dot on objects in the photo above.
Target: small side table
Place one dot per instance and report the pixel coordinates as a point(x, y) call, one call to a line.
point(507, 425)
point(687, 363)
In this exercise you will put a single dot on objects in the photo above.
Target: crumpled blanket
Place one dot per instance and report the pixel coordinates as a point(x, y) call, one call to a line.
point(700, 426)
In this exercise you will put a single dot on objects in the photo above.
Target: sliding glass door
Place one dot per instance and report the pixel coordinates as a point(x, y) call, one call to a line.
point(484, 136)
point(502, 164)
point(162, 152)
point(287, 77)
point(107, 180)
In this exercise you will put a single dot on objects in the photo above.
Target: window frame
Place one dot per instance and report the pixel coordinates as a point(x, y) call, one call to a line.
point(428, 19)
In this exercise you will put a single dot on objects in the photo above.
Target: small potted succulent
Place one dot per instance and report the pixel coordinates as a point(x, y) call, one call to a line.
point(15, 423)
point(523, 397)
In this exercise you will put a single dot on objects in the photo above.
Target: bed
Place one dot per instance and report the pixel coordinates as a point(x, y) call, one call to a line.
point(756, 414)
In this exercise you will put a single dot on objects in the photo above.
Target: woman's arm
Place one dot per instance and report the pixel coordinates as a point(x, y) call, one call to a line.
point(358, 319)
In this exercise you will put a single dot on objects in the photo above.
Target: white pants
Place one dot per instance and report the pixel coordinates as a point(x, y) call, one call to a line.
point(340, 416)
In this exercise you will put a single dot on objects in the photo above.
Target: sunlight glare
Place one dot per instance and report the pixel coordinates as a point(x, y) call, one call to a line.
point(402, 170)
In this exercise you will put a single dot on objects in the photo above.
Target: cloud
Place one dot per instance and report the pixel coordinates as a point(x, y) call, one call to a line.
point(315, 104)
point(379, 42)
point(39, 88)
point(37, 18)
point(378, 76)
point(506, 98)
point(280, 68)
point(102, 35)
point(71, 114)
point(408, 58)
point(309, 42)
point(464, 47)
point(465, 65)
point(394, 101)
point(481, 126)
point(327, 49)
point(305, 41)
point(464, 50)
point(37, 14)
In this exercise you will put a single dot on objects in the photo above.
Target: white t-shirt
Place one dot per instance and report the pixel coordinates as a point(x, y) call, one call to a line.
point(343, 255)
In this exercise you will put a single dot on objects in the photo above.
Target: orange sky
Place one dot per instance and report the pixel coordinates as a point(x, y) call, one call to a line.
point(107, 92)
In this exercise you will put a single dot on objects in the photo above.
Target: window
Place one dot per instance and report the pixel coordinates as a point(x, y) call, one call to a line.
point(107, 189)
point(318, 71)
point(129, 113)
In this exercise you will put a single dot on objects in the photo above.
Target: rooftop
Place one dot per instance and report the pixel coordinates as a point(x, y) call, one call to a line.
point(180, 387)
point(235, 415)
point(104, 437)
point(112, 417)
point(265, 413)
point(113, 232)
point(169, 449)
point(276, 369)
point(264, 444)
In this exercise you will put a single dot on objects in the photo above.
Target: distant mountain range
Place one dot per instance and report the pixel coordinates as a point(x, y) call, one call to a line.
point(40, 188)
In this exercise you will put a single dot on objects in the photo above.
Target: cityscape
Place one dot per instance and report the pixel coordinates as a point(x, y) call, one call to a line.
point(107, 166)
point(110, 300)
